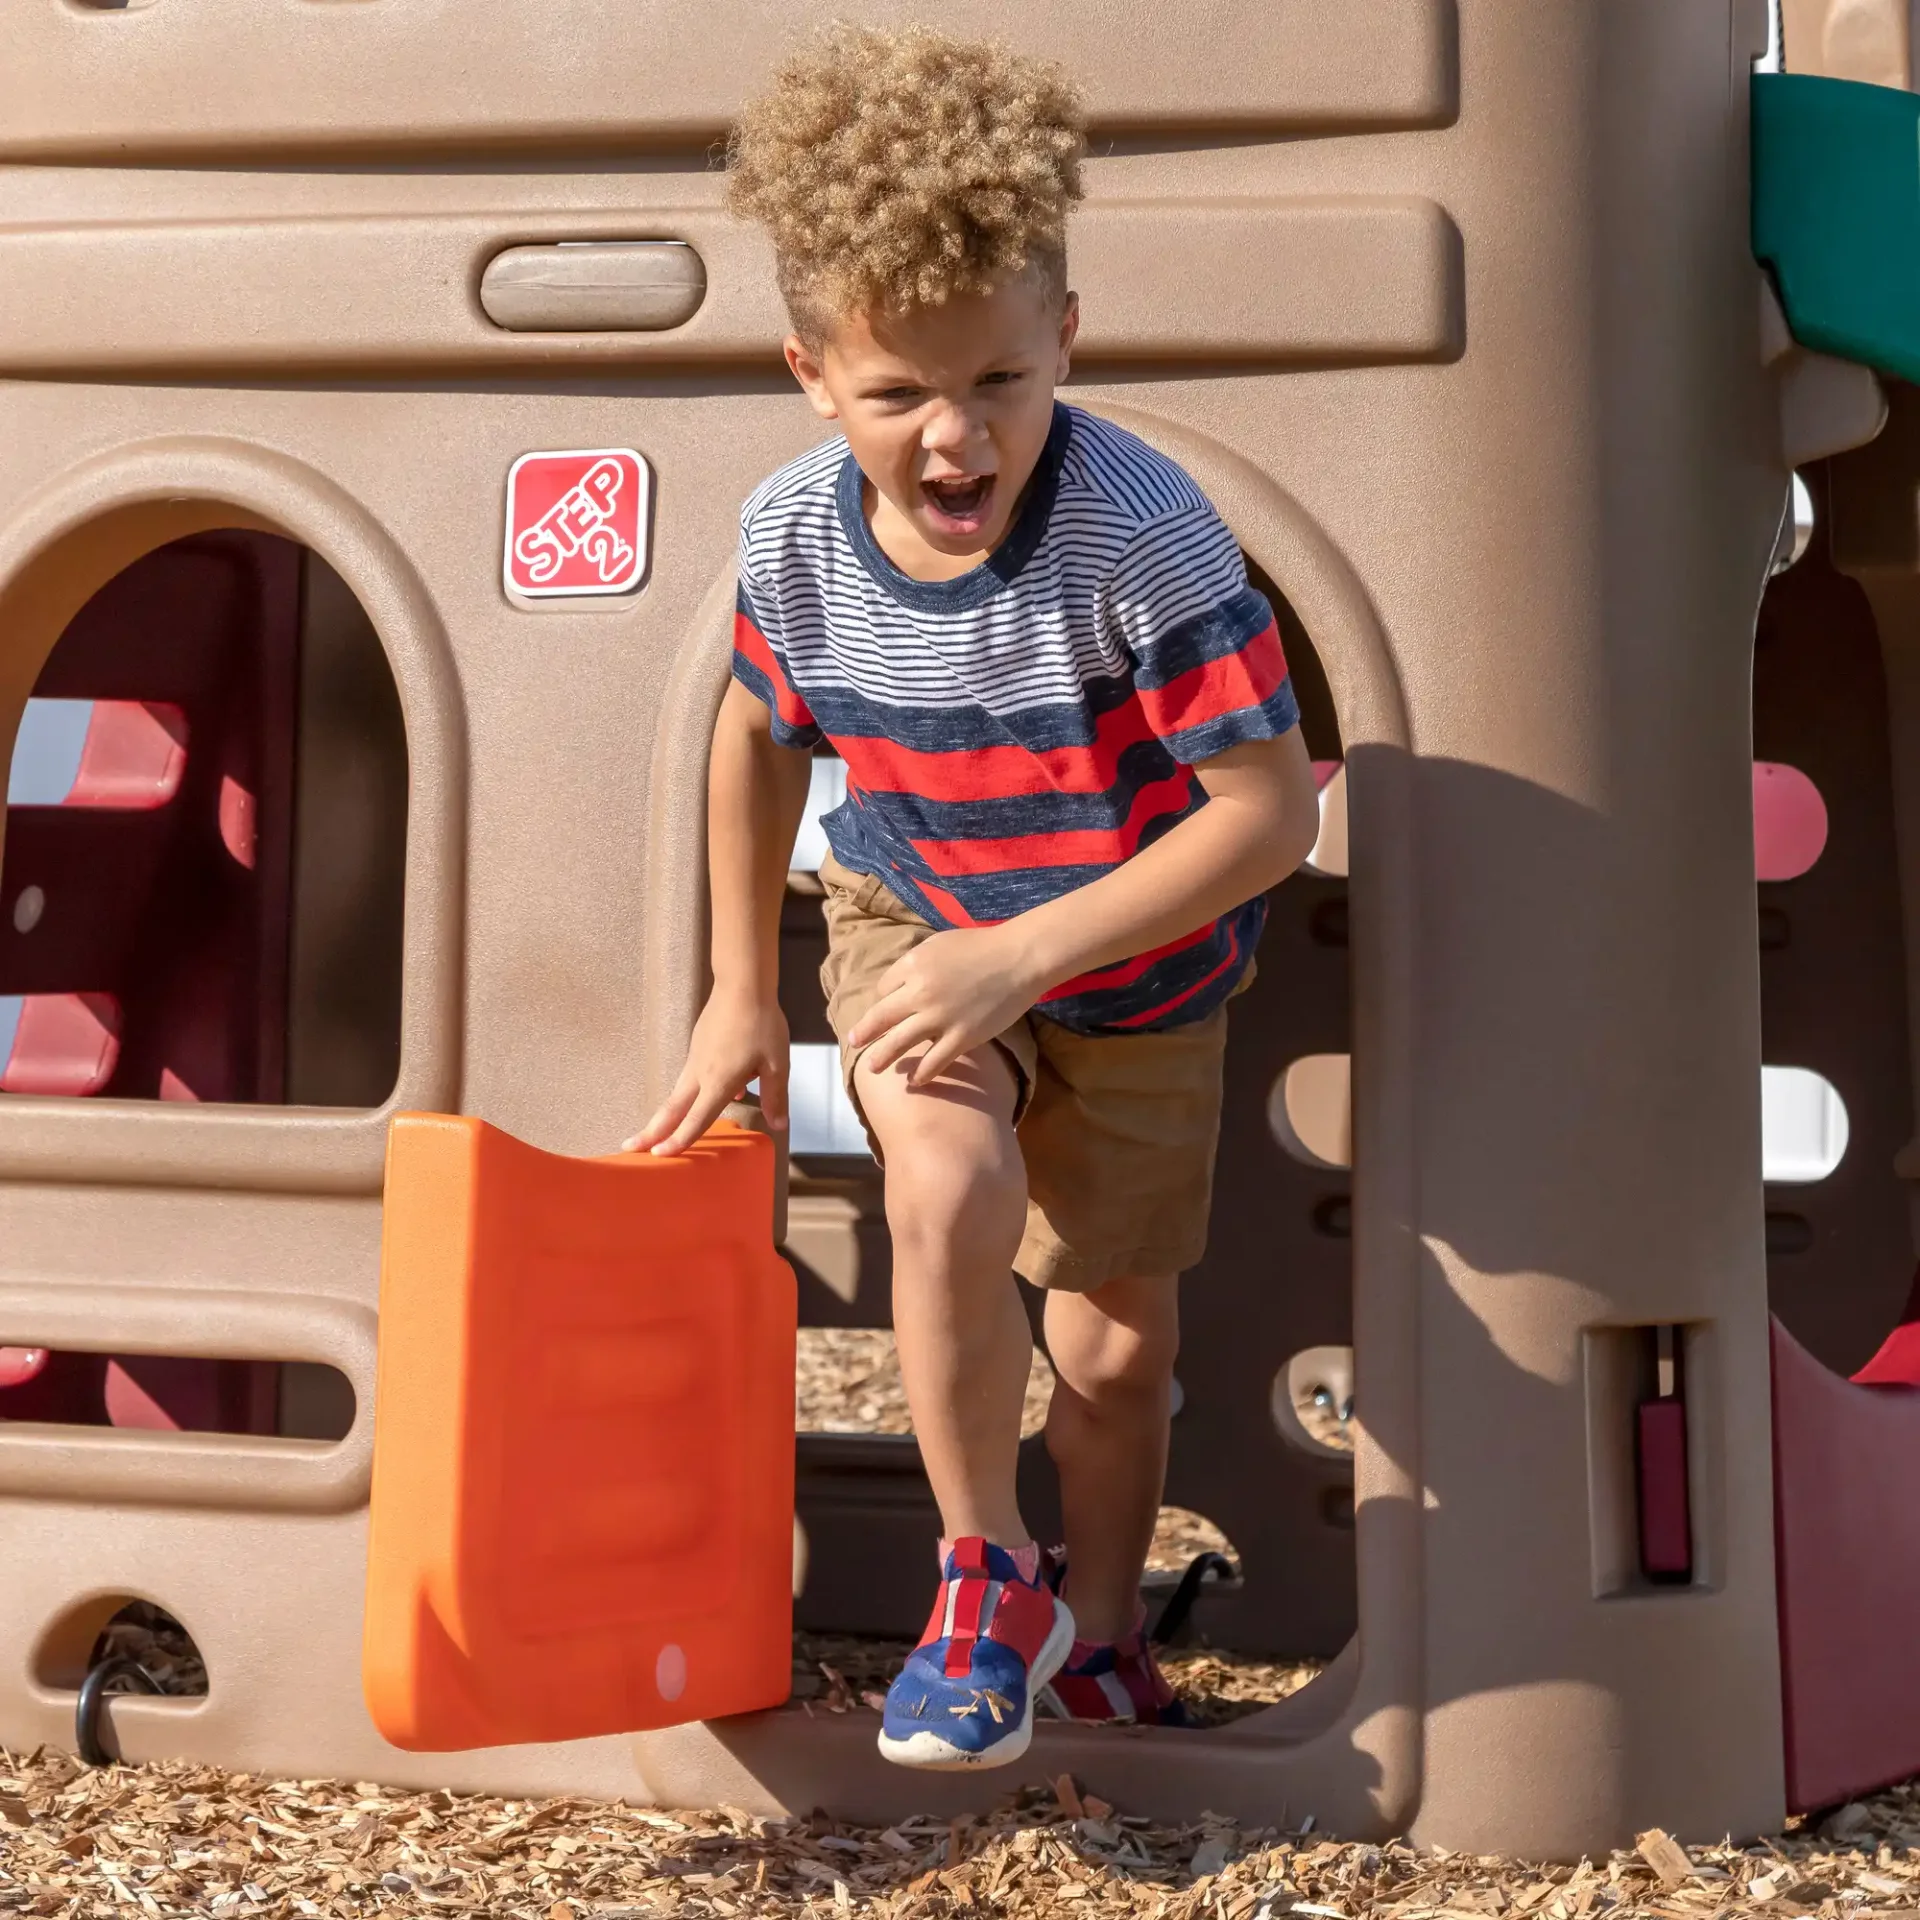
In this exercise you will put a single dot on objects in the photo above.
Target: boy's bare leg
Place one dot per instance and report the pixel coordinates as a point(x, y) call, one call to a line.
point(957, 1205)
point(1113, 1351)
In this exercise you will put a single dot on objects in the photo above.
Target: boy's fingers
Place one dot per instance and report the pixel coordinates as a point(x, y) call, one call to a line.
point(901, 1038)
point(885, 1012)
point(704, 1111)
point(666, 1116)
point(946, 1049)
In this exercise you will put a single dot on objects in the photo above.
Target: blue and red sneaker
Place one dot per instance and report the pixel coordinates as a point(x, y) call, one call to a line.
point(996, 1636)
point(1116, 1680)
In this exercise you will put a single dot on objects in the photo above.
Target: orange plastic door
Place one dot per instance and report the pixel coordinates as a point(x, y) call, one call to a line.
point(583, 1446)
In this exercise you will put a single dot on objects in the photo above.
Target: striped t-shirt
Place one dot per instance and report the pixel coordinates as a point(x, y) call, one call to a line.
point(1015, 733)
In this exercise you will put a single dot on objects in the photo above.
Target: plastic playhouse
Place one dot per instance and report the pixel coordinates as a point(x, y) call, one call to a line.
point(372, 434)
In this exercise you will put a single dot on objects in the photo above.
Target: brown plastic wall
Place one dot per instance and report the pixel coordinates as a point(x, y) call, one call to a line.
point(1454, 319)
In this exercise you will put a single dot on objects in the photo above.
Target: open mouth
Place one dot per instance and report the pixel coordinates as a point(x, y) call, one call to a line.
point(960, 505)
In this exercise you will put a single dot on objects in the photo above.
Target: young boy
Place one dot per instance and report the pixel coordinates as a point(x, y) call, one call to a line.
point(1073, 770)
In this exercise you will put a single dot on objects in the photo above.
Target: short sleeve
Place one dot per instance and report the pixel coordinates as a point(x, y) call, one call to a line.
point(760, 663)
point(1209, 670)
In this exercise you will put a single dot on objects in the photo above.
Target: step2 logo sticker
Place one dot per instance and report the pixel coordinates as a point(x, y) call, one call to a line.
point(576, 523)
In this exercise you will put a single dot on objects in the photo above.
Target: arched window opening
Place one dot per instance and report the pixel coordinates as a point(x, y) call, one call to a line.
point(206, 821)
point(1269, 1547)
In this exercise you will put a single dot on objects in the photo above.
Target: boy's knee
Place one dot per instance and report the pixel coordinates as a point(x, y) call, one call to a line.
point(1120, 1343)
point(952, 1160)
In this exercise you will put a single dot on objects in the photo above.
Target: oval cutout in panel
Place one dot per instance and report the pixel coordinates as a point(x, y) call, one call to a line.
point(1312, 1401)
point(1310, 1110)
point(594, 286)
point(1789, 821)
point(1329, 855)
point(1803, 1126)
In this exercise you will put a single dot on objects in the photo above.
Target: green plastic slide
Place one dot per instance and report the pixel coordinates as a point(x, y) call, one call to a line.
point(1836, 214)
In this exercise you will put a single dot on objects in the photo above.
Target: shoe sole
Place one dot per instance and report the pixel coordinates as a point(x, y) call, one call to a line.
point(931, 1754)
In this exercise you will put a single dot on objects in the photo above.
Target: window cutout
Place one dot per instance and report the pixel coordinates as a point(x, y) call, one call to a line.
point(119, 1626)
point(1796, 526)
point(1310, 1110)
point(1180, 1536)
point(826, 789)
point(821, 1119)
point(847, 1380)
point(1312, 1401)
point(175, 1393)
point(205, 840)
point(1329, 855)
point(1803, 1126)
point(1789, 821)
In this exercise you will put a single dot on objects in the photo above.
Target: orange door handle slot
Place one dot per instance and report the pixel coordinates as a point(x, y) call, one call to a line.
point(583, 1446)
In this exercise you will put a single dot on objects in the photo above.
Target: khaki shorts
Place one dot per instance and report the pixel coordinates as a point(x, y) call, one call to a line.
point(1118, 1130)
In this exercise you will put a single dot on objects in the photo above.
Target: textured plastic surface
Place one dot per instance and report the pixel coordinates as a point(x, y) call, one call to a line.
point(583, 1455)
point(1836, 214)
point(1846, 1459)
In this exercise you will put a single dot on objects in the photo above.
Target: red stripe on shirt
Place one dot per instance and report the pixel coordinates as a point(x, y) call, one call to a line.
point(1124, 972)
point(1199, 986)
point(749, 640)
point(1216, 688)
point(1076, 847)
point(982, 773)
point(950, 909)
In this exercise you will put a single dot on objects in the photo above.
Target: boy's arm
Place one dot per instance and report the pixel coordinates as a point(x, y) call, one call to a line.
point(756, 793)
point(962, 987)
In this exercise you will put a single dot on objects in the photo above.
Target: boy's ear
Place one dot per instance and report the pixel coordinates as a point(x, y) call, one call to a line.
point(811, 374)
point(1069, 332)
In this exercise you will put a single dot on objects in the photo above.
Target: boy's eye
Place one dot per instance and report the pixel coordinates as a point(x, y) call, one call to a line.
point(1005, 377)
point(898, 396)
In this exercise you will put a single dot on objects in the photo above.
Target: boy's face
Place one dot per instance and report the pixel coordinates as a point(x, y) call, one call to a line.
point(947, 410)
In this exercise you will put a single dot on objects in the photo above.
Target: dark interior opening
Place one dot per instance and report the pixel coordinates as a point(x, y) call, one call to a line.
point(1275, 1284)
point(206, 828)
point(1833, 993)
point(176, 1393)
point(121, 1627)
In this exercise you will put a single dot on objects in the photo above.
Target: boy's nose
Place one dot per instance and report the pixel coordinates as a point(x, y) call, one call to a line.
point(950, 430)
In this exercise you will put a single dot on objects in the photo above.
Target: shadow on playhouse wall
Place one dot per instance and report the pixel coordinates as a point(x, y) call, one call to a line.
point(1453, 312)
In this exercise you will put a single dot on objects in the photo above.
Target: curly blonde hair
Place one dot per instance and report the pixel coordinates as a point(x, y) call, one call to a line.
point(895, 169)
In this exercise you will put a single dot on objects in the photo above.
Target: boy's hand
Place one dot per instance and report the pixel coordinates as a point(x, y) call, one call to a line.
point(952, 993)
point(737, 1038)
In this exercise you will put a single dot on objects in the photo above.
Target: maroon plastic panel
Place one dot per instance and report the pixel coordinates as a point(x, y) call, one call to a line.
point(1666, 1522)
point(165, 876)
point(1846, 1463)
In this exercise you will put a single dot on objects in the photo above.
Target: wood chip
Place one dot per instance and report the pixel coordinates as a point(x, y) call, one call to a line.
point(184, 1842)
point(1666, 1856)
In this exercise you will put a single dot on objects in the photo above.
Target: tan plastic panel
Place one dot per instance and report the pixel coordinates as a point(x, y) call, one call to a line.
point(1243, 279)
point(1866, 40)
point(227, 76)
point(1530, 569)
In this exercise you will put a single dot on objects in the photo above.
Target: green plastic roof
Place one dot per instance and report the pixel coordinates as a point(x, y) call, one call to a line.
point(1836, 214)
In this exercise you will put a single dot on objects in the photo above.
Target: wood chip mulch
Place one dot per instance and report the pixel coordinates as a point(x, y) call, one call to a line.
point(166, 1840)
